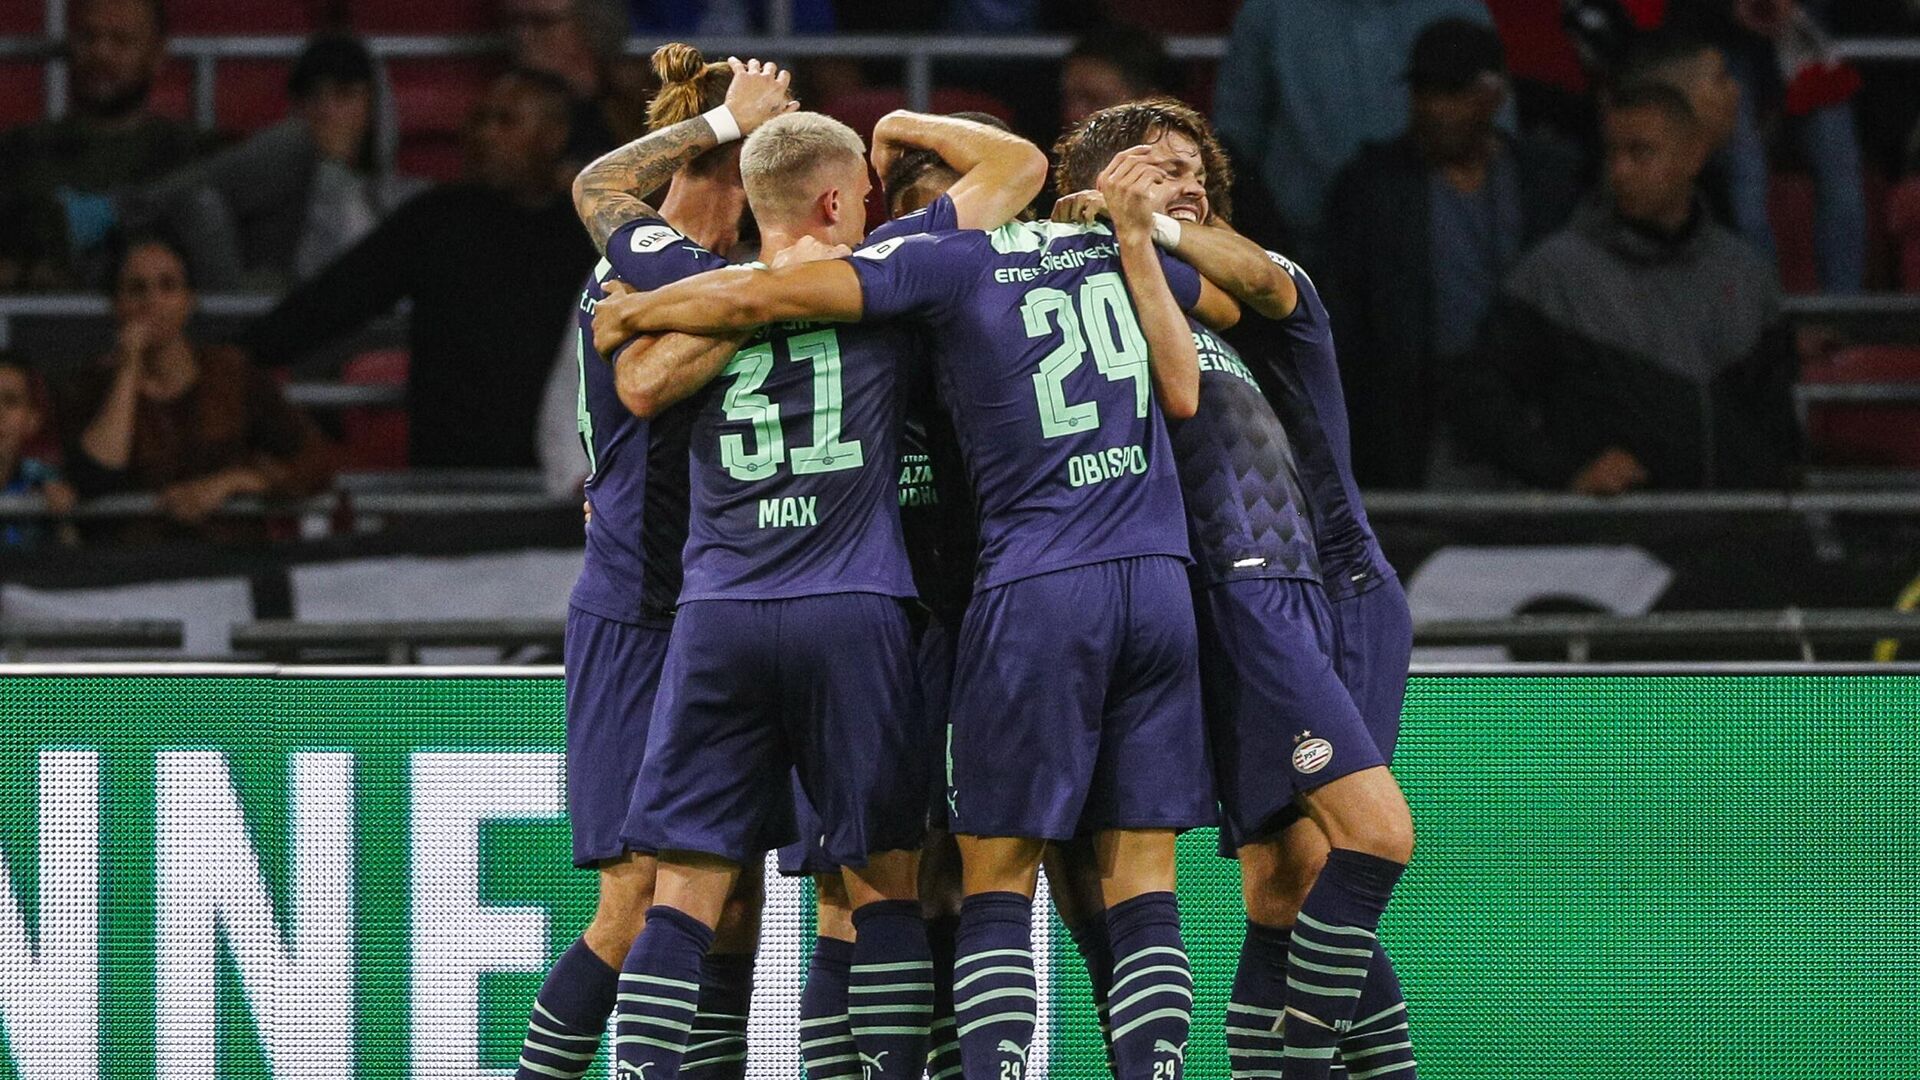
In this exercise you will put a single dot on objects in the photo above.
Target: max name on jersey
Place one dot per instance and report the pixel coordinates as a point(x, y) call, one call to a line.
point(1055, 261)
point(789, 512)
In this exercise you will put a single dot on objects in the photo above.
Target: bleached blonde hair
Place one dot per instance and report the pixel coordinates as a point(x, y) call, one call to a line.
point(780, 163)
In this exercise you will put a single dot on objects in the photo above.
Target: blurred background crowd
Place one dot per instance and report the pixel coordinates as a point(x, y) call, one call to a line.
point(248, 251)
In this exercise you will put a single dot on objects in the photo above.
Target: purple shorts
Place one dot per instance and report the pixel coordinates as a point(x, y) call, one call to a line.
point(933, 659)
point(1372, 648)
point(755, 691)
point(1076, 706)
point(613, 672)
point(1280, 720)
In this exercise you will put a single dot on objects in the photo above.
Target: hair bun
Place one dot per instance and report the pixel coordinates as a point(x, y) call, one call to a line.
point(678, 62)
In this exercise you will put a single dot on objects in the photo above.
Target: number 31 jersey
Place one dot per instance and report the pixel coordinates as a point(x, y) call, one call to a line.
point(1043, 365)
point(795, 467)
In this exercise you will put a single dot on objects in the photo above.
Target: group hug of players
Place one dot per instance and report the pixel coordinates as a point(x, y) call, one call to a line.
point(935, 556)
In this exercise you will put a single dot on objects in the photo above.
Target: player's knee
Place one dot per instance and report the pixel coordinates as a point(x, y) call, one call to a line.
point(1274, 887)
point(1391, 836)
point(741, 912)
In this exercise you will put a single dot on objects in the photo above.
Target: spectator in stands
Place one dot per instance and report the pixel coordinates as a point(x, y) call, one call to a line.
point(1304, 85)
point(281, 206)
point(55, 174)
point(492, 266)
point(578, 42)
point(1429, 223)
point(1642, 346)
point(21, 422)
point(196, 424)
point(1111, 64)
point(1736, 61)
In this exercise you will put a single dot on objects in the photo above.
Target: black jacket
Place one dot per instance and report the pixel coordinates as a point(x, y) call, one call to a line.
point(1671, 349)
point(1380, 292)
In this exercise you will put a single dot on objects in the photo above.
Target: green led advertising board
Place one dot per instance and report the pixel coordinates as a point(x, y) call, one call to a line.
point(276, 874)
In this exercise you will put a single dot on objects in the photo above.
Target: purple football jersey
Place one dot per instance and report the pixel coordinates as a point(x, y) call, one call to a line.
point(637, 484)
point(795, 476)
point(1246, 516)
point(1043, 367)
point(1314, 410)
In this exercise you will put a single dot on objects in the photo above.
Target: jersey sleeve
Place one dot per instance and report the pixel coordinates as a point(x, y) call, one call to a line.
point(937, 216)
point(1184, 280)
point(1309, 293)
point(925, 276)
point(649, 253)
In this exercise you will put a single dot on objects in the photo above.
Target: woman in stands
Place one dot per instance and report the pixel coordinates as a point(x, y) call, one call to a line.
point(196, 424)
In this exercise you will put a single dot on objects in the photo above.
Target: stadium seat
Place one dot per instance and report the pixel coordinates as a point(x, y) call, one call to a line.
point(1878, 436)
point(219, 17)
point(433, 99)
point(22, 93)
point(249, 95)
point(413, 17)
point(1790, 208)
point(1903, 227)
point(1187, 17)
point(1537, 46)
point(375, 438)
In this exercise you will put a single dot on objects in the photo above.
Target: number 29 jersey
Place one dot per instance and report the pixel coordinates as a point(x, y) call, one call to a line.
point(1043, 366)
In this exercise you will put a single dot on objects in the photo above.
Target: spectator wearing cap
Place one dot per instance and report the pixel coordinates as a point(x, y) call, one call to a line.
point(1111, 64)
point(281, 206)
point(1305, 84)
point(1642, 345)
point(1428, 224)
point(55, 175)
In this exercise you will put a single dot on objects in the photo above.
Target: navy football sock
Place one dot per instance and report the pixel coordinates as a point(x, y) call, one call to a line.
point(994, 989)
point(826, 1043)
point(717, 1047)
point(1091, 940)
point(890, 990)
point(569, 1014)
point(943, 1055)
point(1151, 1002)
point(659, 993)
point(1379, 1043)
point(1259, 994)
point(1332, 948)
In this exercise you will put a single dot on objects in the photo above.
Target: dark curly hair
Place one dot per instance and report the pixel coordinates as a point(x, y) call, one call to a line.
point(1088, 146)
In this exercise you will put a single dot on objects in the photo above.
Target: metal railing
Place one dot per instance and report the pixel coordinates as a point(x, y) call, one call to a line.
point(1806, 631)
point(21, 635)
point(918, 54)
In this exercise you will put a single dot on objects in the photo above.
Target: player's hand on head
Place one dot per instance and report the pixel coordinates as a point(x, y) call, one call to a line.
point(1130, 185)
point(759, 92)
point(1080, 208)
point(808, 249)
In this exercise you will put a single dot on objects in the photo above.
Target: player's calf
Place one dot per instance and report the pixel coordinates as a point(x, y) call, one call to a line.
point(660, 979)
point(890, 985)
point(1150, 1005)
point(571, 1010)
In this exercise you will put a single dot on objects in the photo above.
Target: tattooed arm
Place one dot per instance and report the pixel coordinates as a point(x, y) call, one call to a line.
point(610, 192)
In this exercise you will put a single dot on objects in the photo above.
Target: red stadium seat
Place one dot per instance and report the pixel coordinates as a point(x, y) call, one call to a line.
point(250, 94)
point(1879, 436)
point(216, 17)
point(1790, 209)
point(435, 157)
point(1537, 46)
point(436, 95)
point(1186, 17)
point(22, 93)
point(375, 438)
point(23, 18)
point(173, 91)
point(414, 17)
point(1903, 225)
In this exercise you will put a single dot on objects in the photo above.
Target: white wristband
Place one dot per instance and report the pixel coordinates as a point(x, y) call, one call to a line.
point(1166, 231)
point(725, 128)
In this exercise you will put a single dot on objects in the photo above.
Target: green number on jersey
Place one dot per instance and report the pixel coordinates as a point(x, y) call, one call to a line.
point(743, 401)
point(1119, 349)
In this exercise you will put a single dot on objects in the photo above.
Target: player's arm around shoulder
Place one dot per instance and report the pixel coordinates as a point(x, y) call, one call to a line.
point(1238, 265)
point(730, 300)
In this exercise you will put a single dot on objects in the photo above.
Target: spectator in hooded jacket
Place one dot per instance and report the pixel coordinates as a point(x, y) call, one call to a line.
point(1641, 346)
point(1429, 223)
point(279, 207)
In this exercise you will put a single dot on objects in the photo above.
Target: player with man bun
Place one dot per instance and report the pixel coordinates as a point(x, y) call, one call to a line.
point(622, 605)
